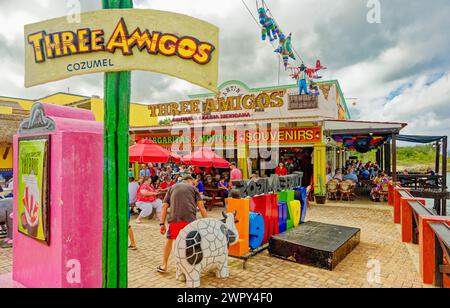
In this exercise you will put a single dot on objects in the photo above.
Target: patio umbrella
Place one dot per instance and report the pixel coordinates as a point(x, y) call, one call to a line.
point(205, 158)
point(147, 151)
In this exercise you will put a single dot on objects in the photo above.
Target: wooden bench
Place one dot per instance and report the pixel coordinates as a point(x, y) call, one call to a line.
point(442, 254)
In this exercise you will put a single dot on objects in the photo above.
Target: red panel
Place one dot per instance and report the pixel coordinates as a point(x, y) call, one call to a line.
point(267, 206)
point(397, 199)
point(407, 218)
point(391, 192)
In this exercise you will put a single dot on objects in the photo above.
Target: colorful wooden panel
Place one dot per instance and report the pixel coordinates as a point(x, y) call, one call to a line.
point(267, 206)
point(242, 207)
point(282, 216)
point(257, 230)
point(294, 212)
point(301, 195)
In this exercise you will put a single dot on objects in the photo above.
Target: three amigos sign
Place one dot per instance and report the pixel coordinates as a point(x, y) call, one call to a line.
point(123, 40)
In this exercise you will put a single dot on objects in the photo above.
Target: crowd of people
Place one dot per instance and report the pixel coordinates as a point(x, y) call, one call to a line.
point(147, 193)
point(361, 174)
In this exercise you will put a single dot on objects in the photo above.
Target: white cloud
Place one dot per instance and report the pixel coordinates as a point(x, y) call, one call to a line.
point(370, 61)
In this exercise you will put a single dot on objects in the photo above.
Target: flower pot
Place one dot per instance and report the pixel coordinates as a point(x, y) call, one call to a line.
point(321, 199)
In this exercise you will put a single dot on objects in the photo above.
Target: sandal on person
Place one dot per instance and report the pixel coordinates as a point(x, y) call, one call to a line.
point(132, 247)
point(161, 270)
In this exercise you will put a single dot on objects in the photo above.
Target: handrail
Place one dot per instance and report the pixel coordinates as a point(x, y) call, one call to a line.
point(420, 225)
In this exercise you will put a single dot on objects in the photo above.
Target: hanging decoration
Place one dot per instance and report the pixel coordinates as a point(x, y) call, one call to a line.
point(269, 28)
point(363, 143)
point(307, 77)
point(285, 49)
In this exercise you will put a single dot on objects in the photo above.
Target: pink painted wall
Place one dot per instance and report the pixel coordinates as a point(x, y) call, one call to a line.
point(76, 208)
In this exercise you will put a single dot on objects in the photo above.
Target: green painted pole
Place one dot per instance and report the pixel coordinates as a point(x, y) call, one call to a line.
point(115, 197)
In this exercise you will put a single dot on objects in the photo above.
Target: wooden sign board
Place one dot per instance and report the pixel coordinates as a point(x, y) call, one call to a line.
point(123, 40)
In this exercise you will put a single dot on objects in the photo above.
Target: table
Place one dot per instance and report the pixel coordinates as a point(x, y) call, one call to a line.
point(214, 194)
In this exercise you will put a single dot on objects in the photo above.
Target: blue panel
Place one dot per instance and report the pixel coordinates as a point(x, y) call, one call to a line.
point(282, 216)
point(256, 232)
point(300, 194)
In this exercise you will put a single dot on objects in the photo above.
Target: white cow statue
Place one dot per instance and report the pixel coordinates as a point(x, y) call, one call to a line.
point(203, 246)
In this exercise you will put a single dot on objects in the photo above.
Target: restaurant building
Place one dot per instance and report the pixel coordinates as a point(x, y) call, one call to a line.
point(256, 128)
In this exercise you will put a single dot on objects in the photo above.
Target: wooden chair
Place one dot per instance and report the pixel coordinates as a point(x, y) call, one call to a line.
point(346, 190)
point(333, 189)
point(383, 193)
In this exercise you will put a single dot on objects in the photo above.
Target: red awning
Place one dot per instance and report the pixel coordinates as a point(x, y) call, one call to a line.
point(147, 151)
point(205, 158)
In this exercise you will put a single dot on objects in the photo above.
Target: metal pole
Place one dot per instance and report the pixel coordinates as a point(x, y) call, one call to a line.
point(394, 158)
point(334, 160)
point(444, 173)
point(438, 157)
point(387, 158)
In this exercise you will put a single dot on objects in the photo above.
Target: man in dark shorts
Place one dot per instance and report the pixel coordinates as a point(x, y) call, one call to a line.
point(183, 199)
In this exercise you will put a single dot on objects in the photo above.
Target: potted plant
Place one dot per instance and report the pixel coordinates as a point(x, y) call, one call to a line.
point(321, 195)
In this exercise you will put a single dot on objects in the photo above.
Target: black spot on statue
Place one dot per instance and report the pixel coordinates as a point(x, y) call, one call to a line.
point(224, 230)
point(194, 253)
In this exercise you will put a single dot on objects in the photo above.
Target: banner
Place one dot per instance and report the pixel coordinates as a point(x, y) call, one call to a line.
point(282, 136)
point(123, 40)
point(32, 198)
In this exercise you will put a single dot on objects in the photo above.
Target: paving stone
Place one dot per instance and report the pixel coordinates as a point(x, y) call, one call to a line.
point(380, 241)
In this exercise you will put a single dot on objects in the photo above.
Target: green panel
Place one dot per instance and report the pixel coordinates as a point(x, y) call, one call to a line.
point(286, 196)
point(115, 228)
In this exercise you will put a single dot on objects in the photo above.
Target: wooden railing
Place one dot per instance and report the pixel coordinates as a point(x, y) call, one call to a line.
point(421, 181)
point(421, 225)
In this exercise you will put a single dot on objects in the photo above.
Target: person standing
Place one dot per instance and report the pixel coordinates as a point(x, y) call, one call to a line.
point(281, 170)
point(183, 199)
point(235, 174)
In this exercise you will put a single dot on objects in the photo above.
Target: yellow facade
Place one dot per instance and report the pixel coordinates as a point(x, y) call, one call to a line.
point(139, 114)
point(5, 157)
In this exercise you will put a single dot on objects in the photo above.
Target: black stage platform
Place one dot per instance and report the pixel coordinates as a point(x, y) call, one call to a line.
point(316, 244)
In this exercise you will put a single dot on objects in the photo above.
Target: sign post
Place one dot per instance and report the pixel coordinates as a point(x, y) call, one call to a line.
point(115, 196)
point(116, 41)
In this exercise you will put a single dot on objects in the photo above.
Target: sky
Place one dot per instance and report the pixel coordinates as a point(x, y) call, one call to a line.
point(395, 70)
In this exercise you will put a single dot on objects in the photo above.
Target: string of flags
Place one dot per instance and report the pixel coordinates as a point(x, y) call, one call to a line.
point(271, 31)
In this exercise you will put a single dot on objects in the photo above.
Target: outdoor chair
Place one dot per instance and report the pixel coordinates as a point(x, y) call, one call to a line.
point(383, 193)
point(333, 190)
point(346, 190)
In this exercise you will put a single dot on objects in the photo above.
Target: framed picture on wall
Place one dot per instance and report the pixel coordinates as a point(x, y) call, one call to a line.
point(33, 202)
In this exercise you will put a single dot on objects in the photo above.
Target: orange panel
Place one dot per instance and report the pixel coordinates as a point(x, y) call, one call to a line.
point(242, 207)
